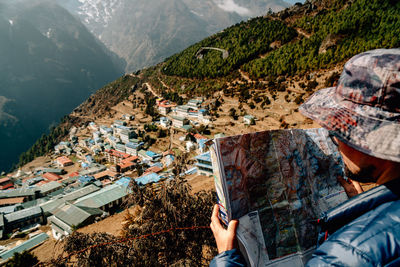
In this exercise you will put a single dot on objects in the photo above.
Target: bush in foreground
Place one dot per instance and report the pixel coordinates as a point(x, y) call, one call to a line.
point(169, 206)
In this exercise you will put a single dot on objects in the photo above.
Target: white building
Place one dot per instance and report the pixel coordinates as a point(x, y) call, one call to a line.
point(178, 122)
point(165, 122)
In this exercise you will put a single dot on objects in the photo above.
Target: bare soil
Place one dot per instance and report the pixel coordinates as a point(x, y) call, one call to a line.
point(200, 182)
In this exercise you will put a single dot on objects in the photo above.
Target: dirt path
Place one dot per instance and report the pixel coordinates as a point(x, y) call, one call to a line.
point(151, 89)
point(164, 84)
point(245, 76)
point(302, 32)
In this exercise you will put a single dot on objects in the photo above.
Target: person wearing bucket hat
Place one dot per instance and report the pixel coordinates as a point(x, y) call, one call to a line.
point(363, 114)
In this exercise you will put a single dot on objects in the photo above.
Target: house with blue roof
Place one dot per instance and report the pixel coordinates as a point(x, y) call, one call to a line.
point(132, 148)
point(124, 181)
point(204, 163)
point(148, 178)
point(104, 130)
point(89, 159)
point(33, 181)
point(120, 147)
point(90, 142)
point(113, 140)
point(202, 144)
point(153, 156)
point(85, 179)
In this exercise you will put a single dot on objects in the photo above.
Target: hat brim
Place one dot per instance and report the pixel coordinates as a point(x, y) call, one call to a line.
point(362, 127)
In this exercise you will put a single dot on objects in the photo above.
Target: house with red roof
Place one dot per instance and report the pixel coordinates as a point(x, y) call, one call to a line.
point(6, 183)
point(51, 176)
point(155, 169)
point(126, 166)
point(164, 107)
point(115, 156)
point(64, 161)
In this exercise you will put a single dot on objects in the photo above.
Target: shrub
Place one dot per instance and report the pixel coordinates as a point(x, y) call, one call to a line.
point(172, 206)
point(24, 259)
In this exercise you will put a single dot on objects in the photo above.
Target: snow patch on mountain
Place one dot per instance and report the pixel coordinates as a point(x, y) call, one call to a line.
point(231, 6)
point(97, 11)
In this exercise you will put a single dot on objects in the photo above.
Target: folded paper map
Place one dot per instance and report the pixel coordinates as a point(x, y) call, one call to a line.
point(277, 183)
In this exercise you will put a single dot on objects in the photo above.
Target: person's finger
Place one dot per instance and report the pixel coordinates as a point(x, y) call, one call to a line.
point(232, 226)
point(214, 213)
point(214, 218)
point(357, 186)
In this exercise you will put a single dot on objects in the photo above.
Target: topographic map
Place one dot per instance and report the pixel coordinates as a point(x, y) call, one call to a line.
point(286, 178)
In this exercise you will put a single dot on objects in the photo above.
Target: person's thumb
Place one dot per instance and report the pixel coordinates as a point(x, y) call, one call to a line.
point(232, 226)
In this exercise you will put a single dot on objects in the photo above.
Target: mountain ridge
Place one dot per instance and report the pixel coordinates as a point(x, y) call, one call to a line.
point(166, 26)
point(51, 62)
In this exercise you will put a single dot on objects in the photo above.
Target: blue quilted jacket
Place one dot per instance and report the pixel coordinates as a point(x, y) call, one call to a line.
point(363, 231)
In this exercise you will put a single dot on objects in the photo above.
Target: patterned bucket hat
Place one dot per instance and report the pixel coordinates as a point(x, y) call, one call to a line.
point(364, 108)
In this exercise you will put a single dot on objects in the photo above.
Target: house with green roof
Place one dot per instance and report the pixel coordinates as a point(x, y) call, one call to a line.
point(26, 194)
point(23, 218)
point(178, 122)
point(106, 199)
point(49, 188)
point(74, 195)
point(27, 245)
point(69, 216)
point(187, 128)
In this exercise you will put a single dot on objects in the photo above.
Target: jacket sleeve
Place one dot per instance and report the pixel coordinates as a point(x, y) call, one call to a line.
point(338, 253)
point(230, 258)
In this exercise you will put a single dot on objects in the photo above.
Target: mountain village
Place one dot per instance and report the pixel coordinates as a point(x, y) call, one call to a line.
point(88, 175)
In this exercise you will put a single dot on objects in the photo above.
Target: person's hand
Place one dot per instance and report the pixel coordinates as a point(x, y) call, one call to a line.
point(225, 238)
point(351, 187)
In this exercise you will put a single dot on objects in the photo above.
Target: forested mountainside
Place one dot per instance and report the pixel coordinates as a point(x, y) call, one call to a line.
point(269, 46)
point(49, 64)
point(266, 54)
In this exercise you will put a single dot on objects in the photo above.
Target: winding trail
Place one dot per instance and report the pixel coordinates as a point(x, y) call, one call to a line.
point(151, 89)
